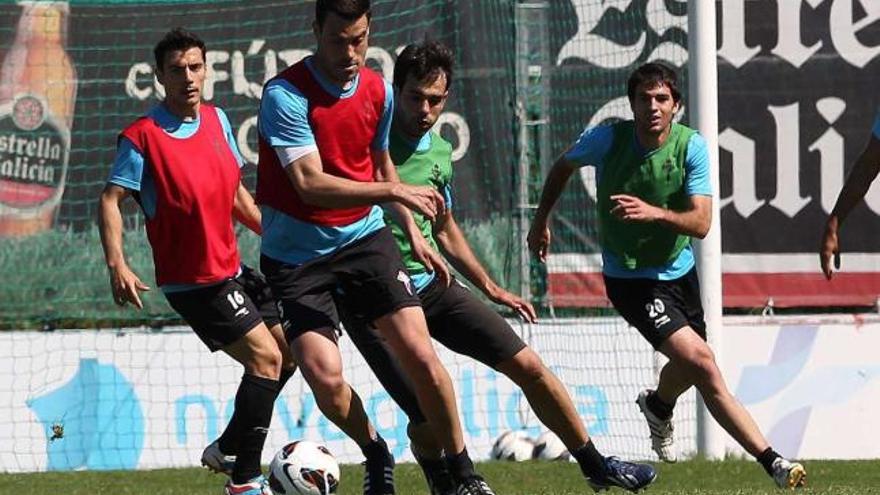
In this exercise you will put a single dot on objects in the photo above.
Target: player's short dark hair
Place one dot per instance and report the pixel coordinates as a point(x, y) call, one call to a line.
point(350, 10)
point(656, 73)
point(176, 39)
point(423, 62)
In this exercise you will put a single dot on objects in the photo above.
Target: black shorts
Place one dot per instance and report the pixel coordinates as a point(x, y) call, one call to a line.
point(369, 271)
point(222, 313)
point(458, 320)
point(658, 308)
point(256, 287)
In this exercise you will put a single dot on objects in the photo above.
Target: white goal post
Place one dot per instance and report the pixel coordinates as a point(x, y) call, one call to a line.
point(703, 112)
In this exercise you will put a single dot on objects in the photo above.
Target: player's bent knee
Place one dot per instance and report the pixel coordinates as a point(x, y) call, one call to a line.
point(525, 367)
point(704, 369)
point(705, 361)
point(265, 360)
point(269, 362)
point(695, 354)
point(429, 375)
point(421, 360)
point(258, 353)
point(325, 379)
point(424, 356)
point(328, 388)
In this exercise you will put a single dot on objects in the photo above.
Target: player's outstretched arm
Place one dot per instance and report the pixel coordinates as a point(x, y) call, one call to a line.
point(459, 253)
point(124, 283)
point(539, 233)
point(318, 188)
point(245, 210)
point(864, 172)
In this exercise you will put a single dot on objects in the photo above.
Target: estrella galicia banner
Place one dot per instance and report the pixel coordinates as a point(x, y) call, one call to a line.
point(110, 45)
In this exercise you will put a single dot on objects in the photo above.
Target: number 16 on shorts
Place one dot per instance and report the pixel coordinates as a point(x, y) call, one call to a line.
point(236, 300)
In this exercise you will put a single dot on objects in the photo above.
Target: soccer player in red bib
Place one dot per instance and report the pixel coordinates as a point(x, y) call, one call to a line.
point(324, 167)
point(181, 164)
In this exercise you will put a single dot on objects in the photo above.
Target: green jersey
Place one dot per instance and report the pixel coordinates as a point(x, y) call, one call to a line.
point(658, 179)
point(431, 166)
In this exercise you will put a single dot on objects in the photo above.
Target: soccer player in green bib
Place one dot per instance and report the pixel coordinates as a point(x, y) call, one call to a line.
point(456, 317)
point(653, 196)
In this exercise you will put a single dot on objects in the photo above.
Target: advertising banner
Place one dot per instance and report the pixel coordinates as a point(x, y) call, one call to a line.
point(74, 74)
point(812, 385)
point(797, 99)
point(143, 399)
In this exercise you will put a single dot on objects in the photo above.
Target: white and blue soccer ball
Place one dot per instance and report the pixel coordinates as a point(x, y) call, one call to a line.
point(303, 468)
point(549, 447)
point(513, 445)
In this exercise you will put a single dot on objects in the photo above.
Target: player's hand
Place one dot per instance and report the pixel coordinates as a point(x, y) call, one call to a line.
point(423, 199)
point(830, 249)
point(539, 240)
point(523, 308)
point(426, 255)
point(126, 286)
point(632, 209)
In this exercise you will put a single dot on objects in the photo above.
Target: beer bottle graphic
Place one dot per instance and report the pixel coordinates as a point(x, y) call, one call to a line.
point(37, 95)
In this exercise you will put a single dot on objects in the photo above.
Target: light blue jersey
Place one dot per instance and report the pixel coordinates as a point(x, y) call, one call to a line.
point(284, 124)
point(592, 147)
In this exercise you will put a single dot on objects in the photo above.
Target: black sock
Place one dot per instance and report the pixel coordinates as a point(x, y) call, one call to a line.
point(253, 406)
point(228, 441)
point(379, 467)
point(766, 459)
point(659, 408)
point(376, 448)
point(460, 465)
point(590, 460)
point(431, 467)
point(436, 474)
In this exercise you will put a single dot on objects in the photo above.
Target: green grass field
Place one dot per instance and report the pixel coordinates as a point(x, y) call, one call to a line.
point(692, 477)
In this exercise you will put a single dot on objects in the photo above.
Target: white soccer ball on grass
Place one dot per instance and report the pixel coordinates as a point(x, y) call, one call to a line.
point(303, 468)
point(549, 447)
point(513, 445)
